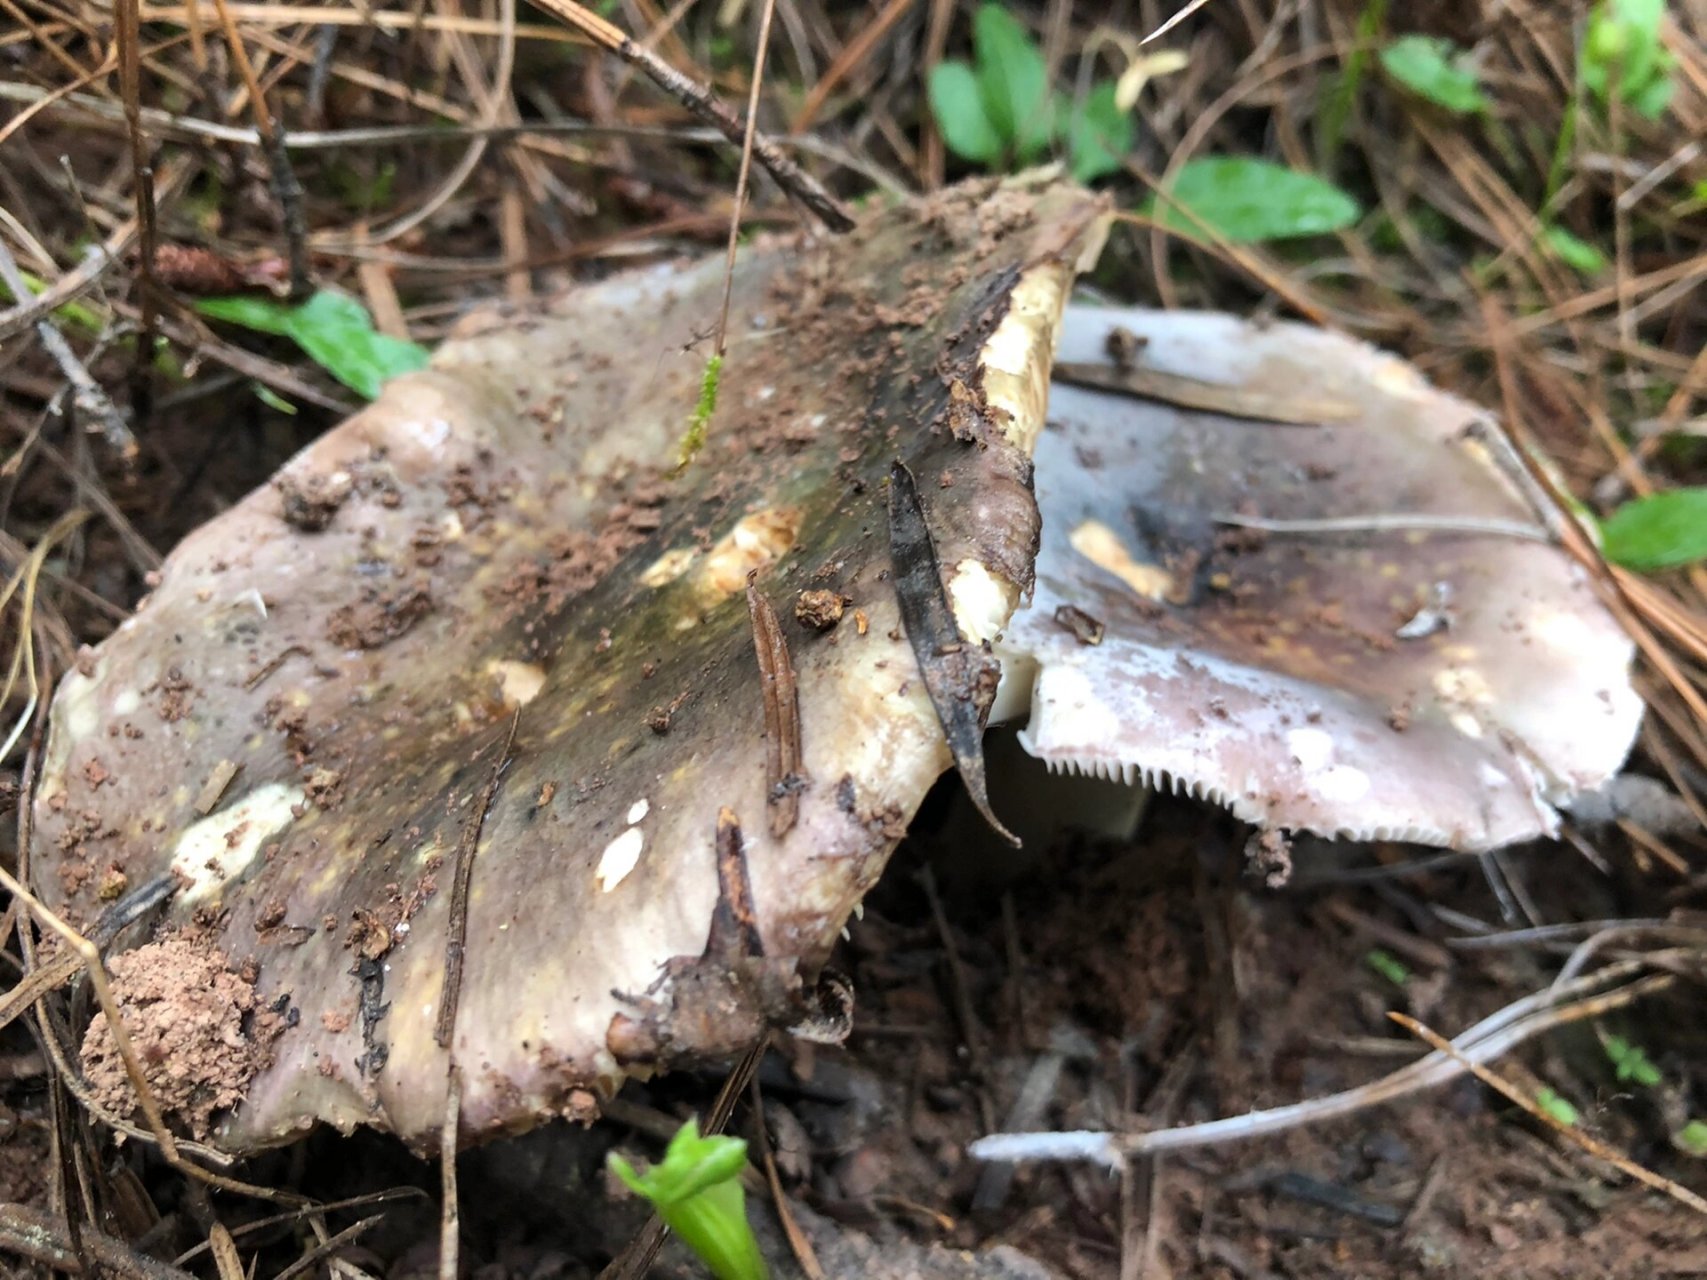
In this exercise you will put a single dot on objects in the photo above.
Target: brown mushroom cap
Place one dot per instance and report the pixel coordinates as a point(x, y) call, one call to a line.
point(1299, 678)
point(313, 712)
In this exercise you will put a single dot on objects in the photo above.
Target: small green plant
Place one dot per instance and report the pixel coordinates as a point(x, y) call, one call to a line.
point(1662, 531)
point(693, 439)
point(1630, 1063)
point(1437, 71)
point(1388, 966)
point(1559, 1108)
point(1692, 1138)
point(1622, 55)
point(697, 1192)
point(334, 331)
point(1573, 251)
point(1246, 200)
point(998, 110)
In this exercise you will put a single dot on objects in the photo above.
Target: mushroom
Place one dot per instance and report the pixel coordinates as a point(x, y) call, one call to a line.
point(484, 733)
point(1289, 576)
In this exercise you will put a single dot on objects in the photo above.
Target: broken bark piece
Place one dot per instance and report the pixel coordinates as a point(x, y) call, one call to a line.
point(511, 541)
point(1284, 674)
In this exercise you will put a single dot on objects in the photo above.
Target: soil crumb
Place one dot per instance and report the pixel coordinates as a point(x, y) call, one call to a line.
point(196, 1029)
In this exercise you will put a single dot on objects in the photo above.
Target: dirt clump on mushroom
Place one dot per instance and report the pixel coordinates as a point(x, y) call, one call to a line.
point(196, 1028)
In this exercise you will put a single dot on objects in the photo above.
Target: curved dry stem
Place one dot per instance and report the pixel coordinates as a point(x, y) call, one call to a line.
point(1491, 1038)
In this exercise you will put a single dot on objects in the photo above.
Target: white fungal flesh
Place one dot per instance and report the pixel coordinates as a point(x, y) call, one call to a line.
point(220, 847)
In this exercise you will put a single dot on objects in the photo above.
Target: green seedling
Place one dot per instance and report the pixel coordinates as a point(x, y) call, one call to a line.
point(1573, 251)
point(693, 439)
point(1630, 1063)
point(697, 1192)
point(1622, 56)
point(1437, 71)
point(1246, 200)
point(1555, 1106)
point(998, 110)
point(1388, 966)
point(334, 331)
point(1692, 1138)
point(1662, 531)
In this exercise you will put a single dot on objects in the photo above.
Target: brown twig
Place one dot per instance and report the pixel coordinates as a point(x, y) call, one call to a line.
point(1592, 1145)
point(785, 769)
point(748, 134)
point(699, 99)
point(456, 926)
point(286, 189)
point(128, 37)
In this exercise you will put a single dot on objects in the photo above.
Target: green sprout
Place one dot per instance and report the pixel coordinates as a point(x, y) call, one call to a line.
point(1692, 1138)
point(693, 440)
point(697, 1192)
point(1630, 1063)
point(1388, 966)
point(1549, 1101)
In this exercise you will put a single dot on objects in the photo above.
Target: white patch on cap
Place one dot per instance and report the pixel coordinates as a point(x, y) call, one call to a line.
point(638, 810)
point(619, 858)
point(1341, 784)
point(221, 846)
point(1313, 749)
point(519, 682)
point(1102, 546)
point(667, 567)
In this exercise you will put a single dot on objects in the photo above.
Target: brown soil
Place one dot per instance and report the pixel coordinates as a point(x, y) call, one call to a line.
point(194, 1025)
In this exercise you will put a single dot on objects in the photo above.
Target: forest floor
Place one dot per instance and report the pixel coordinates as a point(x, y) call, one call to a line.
point(1530, 230)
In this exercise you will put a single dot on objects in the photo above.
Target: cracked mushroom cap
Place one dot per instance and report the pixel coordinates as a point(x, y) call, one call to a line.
point(1406, 683)
point(481, 625)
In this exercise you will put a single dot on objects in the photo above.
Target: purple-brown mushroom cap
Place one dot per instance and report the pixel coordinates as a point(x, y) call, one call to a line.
point(312, 715)
point(1445, 687)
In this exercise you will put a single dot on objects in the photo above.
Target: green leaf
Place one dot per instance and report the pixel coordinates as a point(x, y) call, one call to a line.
point(333, 330)
point(1573, 251)
point(1388, 966)
point(1013, 80)
point(1630, 1063)
point(1559, 1108)
point(1663, 531)
point(1099, 134)
point(1622, 46)
point(1248, 200)
point(957, 103)
point(1692, 1138)
point(260, 313)
point(1437, 70)
point(272, 399)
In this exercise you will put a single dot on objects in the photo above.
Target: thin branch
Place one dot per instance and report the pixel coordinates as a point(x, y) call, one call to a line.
point(699, 99)
point(747, 137)
point(1491, 1038)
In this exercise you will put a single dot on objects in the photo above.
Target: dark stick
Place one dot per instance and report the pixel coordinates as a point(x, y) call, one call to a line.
point(456, 929)
point(699, 99)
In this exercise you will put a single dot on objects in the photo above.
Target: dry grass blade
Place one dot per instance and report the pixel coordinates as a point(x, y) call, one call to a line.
point(31, 1234)
point(24, 579)
point(1595, 1147)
